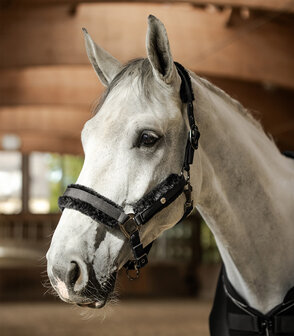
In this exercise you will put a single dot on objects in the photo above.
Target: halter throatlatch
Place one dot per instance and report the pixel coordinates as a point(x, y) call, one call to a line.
point(103, 210)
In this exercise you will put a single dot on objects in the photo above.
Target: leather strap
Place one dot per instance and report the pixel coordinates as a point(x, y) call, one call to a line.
point(243, 322)
point(276, 325)
point(284, 324)
point(187, 97)
point(96, 202)
point(165, 200)
point(131, 264)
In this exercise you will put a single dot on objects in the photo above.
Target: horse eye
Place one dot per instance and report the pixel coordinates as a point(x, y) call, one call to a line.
point(148, 139)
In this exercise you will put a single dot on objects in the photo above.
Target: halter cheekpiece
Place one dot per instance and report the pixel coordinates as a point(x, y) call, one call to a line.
point(103, 210)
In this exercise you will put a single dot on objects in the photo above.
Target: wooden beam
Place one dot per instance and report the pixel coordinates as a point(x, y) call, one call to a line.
point(60, 88)
point(270, 5)
point(58, 85)
point(256, 49)
point(55, 120)
point(57, 127)
point(45, 128)
point(37, 142)
point(272, 106)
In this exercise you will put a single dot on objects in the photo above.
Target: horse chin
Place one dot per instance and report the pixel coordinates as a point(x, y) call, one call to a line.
point(93, 305)
point(97, 302)
point(94, 295)
point(99, 295)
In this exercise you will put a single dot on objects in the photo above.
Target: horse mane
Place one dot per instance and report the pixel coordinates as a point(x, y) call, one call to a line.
point(240, 108)
point(247, 114)
point(136, 68)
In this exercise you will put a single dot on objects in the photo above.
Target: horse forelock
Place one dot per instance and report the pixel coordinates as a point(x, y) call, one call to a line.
point(135, 71)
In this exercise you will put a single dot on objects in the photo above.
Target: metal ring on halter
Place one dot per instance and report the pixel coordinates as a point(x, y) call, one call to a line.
point(194, 136)
point(186, 174)
point(130, 277)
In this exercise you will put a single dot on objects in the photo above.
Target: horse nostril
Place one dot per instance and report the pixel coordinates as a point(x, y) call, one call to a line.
point(74, 275)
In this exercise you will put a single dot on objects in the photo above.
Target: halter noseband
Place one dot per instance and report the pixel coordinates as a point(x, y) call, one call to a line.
point(101, 209)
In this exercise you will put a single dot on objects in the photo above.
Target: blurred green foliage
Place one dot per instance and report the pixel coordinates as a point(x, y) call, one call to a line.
point(65, 169)
point(209, 252)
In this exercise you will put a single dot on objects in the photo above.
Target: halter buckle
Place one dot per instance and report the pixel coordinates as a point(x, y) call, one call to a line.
point(188, 193)
point(186, 174)
point(194, 136)
point(266, 327)
point(129, 227)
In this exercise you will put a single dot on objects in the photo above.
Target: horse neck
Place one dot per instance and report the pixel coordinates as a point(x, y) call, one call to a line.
point(245, 197)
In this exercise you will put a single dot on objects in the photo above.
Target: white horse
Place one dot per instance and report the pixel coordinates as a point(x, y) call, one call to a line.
point(242, 186)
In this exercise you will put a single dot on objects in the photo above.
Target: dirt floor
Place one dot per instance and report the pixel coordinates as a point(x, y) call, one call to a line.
point(126, 318)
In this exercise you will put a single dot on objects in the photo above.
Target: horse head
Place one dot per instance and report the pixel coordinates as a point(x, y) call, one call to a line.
point(135, 140)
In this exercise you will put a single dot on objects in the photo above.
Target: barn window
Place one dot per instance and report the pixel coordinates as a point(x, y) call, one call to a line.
point(49, 175)
point(10, 182)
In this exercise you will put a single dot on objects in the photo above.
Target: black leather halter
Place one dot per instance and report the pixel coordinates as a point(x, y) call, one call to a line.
point(103, 210)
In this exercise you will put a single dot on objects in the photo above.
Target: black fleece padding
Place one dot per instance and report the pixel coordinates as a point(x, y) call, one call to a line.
point(155, 194)
point(148, 202)
point(88, 209)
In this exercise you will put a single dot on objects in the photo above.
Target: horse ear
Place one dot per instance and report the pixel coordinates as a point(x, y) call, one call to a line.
point(158, 51)
point(106, 66)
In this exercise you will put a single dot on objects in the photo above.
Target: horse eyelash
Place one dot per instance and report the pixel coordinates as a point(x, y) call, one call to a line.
point(149, 147)
point(140, 132)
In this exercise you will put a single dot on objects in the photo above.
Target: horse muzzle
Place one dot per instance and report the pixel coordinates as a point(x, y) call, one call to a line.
point(76, 282)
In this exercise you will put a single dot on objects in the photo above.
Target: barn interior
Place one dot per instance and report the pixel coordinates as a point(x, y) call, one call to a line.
point(47, 92)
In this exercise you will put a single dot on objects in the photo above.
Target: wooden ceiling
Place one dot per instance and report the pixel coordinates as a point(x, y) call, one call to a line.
point(270, 5)
point(244, 46)
point(221, 43)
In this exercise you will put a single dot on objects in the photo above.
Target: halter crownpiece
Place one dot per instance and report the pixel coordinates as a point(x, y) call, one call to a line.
point(103, 210)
